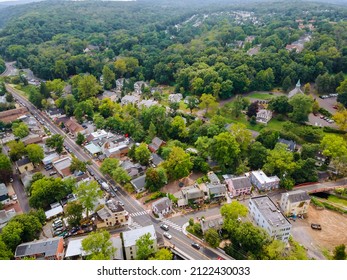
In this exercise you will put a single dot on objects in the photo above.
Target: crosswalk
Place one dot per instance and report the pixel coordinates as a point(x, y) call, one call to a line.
point(140, 213)
point(134, 225)
point(172, 224)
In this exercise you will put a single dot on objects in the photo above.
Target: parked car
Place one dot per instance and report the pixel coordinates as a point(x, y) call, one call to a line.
point(14, 197)
point(164, 227)
point(52, 173)
point(120, 203)
point(196, 246)
point(333, 94)
point(167, 235)
point(316, 226)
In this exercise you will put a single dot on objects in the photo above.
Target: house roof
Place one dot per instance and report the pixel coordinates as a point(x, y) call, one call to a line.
point(73, 126)
point(297, 196)
point(213, 178)
point(23, 161)
point(156, 144)
point(32, 139)
point(156, 159)
point(117, 243)
point(216, 189)
point(3, 189)
point(5, 216)
point(11, 115)
point(213, 222)
point(139, 182)
point(290, 144)
point(263, 178)
point(130, 237)
point(55, 111)
point(48, 247)
point(192, 192)
point(92, 148)
point(162, 203)
point(74, 248)
point(239, 182)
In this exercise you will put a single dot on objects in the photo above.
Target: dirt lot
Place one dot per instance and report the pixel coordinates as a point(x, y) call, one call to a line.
point(333, 233)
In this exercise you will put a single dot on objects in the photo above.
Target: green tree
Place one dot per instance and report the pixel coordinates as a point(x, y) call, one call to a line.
point(178, 128)
point(333, 146)
point(5, 252)
point(88, 194)
point(280, 105)
point(242, 135)
point(268, 138)
point(80, 139)
point(56, 87)
point(225, 150)
point(35, 153)
point(162, 254)
point(98, 246)
point(78, 165)
point(56, 141)
point(340, 252)
point(257, 155)
point(20, 129)
point(109, 77)
point(87, 87)
point(212, 237)
point(16, 150)
point(286, 84)
point(5, 168)
point(302, 106)
point(207, 102)
point(193, 103)
point(340, 118)
point(11, 235)
point(144, 246)
point(73, 212)
point(142, 154)
point(178, 164)
point(203, 145)
point(156, 178)
point(233, 211)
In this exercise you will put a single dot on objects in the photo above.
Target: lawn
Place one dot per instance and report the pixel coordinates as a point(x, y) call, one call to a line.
point(260, 95)
point(337, 200)
point(273, 124)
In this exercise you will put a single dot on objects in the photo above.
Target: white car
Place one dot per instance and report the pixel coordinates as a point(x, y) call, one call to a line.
point(14, 197)
point(167, 235)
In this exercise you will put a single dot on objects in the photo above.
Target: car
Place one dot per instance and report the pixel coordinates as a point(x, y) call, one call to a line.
point(333, 94)
point(316, 226)
point(167, 235)
point(52, 173)
point(120, 202)
point(196, 246)
point(57, 232)
point(322, 117)
point(48, 167)
point(14, 197)
point(164, 227)
point(11, 180)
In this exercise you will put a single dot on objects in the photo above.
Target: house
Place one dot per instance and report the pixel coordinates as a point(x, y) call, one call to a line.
point(139, 183)
point(156, 144)
point(112, 214)
point(295, 203)
point(175, 97)
point(32, 139)
point(9, 116)
point(130, 99)
point(211, 222)
point(74, 249)
point(50, 158)
point(190, 194)
point(62, 166)
point(113, 96)
point(214, 180)
point(24, 165)
point(133, 169)
point(117, 151)
point(239, 185)
point(147, 103)
point(139, 86)
point(74, 127)
point(56, 210)
point(296, 90)
point(291, 145)
point(98, 135)
point(265, 214)
point(162, 207)
point(215, 191)
point(120, 83)
point(130, 237)
point(4, 197)
point(263, 116)
point(262, 182)
point(93, 149)
point(6, 215)
point(54, 113)
point(155, 159)
point(42, 249)
point(320, 158)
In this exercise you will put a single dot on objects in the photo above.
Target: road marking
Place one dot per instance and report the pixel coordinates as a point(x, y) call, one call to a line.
point(140, 213)
point(172, 224)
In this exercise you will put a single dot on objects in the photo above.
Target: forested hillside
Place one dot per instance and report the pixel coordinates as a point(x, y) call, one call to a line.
point(201, 48)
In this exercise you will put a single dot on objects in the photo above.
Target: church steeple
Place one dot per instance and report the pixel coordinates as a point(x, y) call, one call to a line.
point(298, 85)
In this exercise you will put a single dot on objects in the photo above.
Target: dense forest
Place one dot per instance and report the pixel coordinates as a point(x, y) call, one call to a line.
point(199, 49)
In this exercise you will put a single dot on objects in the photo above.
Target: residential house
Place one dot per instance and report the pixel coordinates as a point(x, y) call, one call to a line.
point(54, 113)
point(265, 214)
point(133, 169)
point(3, 99)
point(175, 97)
point(62, 166)
point(216, 191)
point(296, 90)
point(4, 197)
point(139, 183)
point(42, 249)
point(98, 135)
point(130, 99)
point(262, 182)
point(162, 207)
point(214, 180)
point(156, 89)
point(211, 222)
point(90, 49)
point(191, 194)
point(263, 116)
point(6, 215)
point(156, 144)
point(24, 165)
point(147, 103)
point(113, 96)
point(139, 86)
point(291, 145)
point(155, 159)
point(320, 158)
point(50, 158)
point(9, 116)
point(32, 139)
point(93, 150)
point(130, 237)
point(112, 214)
point(74, 249)
point(295, 203)
point(74, 127)
point(120, 83)
point(116, 151)
point(239, 185)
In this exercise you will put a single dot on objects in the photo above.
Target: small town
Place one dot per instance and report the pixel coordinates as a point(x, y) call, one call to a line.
point(230, 143)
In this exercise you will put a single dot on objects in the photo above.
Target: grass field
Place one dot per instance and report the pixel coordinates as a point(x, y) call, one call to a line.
point(260, 95)
point(337, 200)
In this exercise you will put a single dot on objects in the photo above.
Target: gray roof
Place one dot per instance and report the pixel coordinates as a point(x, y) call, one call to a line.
point(139, 182)
point(74, 248)
point(5, 216)
point(193, 192)
point(162, 203)
point(290, 144)
point(23, 161)
point(3, 189)
point(297, 196)
point(130, 237)
point(156, 159)
point(117, 243)
point(240, 182)
point(216, 189)
point(214, 222)
point(48, 247)
point(213, 178)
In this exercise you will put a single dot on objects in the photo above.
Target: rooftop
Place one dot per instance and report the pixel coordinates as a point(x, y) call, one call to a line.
point(239, 182)
point(23, 161)
point(139, 182)
point(269, 211)
point(3, 189)
point(296, 196)
point(263, 178)
point(131, 236)
point(74, 248)
point(47, 247)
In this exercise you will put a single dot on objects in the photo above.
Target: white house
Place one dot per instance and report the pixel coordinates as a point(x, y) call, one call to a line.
point(295, 202)
point(262, 182)
point(162, 207)
point(264, 116)
point(266, 215)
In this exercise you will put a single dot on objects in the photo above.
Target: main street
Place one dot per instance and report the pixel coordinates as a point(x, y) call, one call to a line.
point(179, 239)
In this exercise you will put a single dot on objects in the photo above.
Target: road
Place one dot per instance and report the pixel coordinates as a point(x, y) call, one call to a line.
point(134, 207)
point(10, 69)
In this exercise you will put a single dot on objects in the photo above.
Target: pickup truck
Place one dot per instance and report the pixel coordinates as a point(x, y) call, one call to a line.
point(316, 226)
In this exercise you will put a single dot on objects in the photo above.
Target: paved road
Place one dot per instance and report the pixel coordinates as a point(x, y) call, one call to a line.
point(10, 69)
